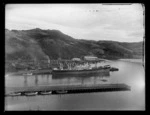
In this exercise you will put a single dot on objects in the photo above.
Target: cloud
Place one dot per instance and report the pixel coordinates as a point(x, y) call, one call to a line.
point(82, 21)
point(136, 34)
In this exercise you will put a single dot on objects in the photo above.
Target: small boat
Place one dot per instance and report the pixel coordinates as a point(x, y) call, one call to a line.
point(107, 66)
point(46, 92)
point(14, 94)
point(61, 91)
point(104, 80)
point(114, 69)
point(31, 93)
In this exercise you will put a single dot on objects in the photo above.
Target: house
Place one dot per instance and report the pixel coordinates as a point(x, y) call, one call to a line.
point(76, 59)
point(90, 58)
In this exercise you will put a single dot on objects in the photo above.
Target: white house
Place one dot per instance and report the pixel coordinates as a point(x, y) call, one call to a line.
point(76, 59)
point(90, 58)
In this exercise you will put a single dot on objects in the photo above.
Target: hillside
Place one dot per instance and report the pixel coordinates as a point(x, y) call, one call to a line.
point(37, 44)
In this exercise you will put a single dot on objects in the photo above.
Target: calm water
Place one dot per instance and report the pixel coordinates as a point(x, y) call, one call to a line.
point(130, 73)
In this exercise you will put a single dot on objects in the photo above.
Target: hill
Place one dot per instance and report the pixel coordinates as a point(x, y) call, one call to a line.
point(37, 44)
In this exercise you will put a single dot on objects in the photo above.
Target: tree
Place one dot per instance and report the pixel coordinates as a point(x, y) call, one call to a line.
point(98, 52)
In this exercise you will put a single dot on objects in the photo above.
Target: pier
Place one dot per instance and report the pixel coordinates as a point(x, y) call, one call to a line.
point(69, 88)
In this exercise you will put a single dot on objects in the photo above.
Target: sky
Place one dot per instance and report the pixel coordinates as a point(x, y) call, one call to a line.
point(117, 22)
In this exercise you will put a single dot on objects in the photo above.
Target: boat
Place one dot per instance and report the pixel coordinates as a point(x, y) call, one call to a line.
point(104, 80)
point(95, 71)
point(14, 94)
point(114, 69)
point(46, 92)
point(61, 91)
point(107, 66)
point(31, 93)
point(81, 68)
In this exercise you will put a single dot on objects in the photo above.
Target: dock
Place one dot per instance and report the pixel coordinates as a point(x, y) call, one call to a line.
point(69, 88)
point(38, 72)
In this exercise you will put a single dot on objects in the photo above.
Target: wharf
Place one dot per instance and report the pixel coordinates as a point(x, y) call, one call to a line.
point(70, 88)
point(46, 71)
point(34, 72)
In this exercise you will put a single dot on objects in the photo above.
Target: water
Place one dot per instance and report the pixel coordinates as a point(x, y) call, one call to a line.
point(129, 73)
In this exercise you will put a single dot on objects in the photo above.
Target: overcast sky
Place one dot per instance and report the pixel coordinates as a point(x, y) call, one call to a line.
point(122, 23)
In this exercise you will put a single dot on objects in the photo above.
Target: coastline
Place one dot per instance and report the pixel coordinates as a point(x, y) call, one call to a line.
point(133, 60)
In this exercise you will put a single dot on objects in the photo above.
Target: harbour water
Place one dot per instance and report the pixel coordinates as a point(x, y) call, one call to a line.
point(132, 74)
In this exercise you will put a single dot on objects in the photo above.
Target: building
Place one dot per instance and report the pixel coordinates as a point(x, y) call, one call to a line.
point(76, 59)
point(90, 58)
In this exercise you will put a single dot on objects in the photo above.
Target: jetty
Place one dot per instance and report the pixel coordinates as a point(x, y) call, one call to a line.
point(69, 88)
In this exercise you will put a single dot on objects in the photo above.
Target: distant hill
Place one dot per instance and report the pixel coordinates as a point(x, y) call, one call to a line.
point(37, 44)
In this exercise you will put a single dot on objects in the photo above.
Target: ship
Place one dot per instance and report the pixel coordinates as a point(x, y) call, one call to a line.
point(94, 71)
point(83, 68)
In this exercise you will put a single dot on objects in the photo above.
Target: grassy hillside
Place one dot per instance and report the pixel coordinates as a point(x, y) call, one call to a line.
point(37, 44)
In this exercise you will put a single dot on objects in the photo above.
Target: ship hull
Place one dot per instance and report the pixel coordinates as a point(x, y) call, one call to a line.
point(104, 72)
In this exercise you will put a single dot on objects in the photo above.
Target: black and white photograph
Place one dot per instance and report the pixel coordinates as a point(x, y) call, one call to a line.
point(74, 57)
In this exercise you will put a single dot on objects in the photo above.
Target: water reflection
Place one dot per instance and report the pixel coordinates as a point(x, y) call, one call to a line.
point(25, 81)
point(47, 79)
point(36, 80)
point(82, 79)
point(47, 76)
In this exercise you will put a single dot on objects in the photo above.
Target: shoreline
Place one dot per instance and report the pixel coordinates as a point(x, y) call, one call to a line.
point(133, 60)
